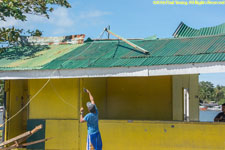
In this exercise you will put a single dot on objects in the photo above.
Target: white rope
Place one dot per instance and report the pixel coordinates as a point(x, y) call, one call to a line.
point(55, 90)
point(45, 85)
point(26, 103)
point(60, 97)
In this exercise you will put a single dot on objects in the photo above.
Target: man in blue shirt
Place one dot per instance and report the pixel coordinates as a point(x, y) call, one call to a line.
point(94, 141)
point(221, 116)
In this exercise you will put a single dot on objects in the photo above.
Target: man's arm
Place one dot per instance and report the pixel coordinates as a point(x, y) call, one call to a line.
point(218, 118)
point(91, 97)
point(82, 114)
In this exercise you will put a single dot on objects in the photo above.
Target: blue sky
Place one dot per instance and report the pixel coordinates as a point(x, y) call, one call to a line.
point(128, 18)
point(215, 78)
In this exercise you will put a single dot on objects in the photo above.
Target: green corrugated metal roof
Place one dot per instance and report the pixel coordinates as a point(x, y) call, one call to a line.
point(185, 31)
point(32, 57)
point(113, 53)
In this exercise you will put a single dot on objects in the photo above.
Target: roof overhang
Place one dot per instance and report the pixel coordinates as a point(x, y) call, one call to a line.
point(142, 71)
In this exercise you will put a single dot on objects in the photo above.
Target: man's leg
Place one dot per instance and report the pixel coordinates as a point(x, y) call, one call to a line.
point(96, 141)
point(89, 144)
point(99, 142)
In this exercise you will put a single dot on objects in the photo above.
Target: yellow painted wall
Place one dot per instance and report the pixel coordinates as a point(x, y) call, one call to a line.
point(139, 98)
point(97, 86)
point(64, 133)
point(148, 98)
point(83, 136)
point(135, 98)
point(58, 103)
point(48, 105)
point(17, 92)
point(58, 100)
point(194, 100)
point(179, 83)
point(148, 135)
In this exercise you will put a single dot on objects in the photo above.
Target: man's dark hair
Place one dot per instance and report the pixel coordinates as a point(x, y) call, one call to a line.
point(223, 104)
point(93, 110)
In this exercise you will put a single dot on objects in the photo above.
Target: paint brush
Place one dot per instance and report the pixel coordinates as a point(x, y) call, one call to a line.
point(85, 90)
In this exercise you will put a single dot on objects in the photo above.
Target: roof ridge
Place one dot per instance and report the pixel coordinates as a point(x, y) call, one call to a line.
point(184, 30)
point(172, 38)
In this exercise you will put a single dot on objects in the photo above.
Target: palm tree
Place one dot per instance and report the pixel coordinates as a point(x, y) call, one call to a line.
point(219, 93)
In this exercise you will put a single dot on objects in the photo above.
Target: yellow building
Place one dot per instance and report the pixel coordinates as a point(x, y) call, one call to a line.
point(145, 101)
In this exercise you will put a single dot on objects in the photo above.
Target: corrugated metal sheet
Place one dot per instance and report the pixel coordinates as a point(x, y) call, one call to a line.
point(117, 54)
point(162, 52)
point(32, 57)
point(185, 31)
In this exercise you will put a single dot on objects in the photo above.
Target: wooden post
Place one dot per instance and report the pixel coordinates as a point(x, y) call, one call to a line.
point(128, 42)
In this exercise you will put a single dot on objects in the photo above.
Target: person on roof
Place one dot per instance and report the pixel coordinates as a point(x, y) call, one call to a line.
point(221, 116)
point(94, 141)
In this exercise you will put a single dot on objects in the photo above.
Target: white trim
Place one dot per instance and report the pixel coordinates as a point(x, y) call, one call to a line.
point(213, 67)
point(186, 105)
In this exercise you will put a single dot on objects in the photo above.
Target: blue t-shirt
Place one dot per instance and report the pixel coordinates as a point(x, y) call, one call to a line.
point(92, 122)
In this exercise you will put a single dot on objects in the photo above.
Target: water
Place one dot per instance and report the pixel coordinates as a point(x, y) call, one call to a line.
point(208, 116)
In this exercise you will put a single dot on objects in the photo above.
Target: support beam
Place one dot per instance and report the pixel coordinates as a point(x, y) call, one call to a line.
point(128, 42)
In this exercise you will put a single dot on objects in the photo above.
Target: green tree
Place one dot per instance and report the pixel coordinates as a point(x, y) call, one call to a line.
point(206, 91)
point(219, 93)
point(222, 101)
point(18, 9)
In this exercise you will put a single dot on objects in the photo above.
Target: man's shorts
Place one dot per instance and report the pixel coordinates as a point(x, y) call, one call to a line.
point(94, 142)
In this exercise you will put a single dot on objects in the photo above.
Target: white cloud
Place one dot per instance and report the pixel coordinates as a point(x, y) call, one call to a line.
point(25, 24)
point(9, 22)
point(36, 18)
point(62, 21)
point(58, 31)
point(93, 14)
point(61, 18)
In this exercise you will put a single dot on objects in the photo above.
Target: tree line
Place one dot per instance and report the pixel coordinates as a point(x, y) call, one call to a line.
point(19, 10)
point(208, 92)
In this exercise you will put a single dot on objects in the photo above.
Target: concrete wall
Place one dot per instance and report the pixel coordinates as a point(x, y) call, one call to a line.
point(17, 93)
point(118, 99)
point(65, 134)
point(139, 98)
point(58, 100)
point(150, 135)
point(98, 88)
point(131, 98)
point(179, 83)
point(57, 104)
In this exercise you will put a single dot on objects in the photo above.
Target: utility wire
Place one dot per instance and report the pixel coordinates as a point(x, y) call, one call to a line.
point(55, 90)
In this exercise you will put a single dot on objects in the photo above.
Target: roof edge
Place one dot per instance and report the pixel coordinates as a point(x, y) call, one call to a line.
point(143, 71)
